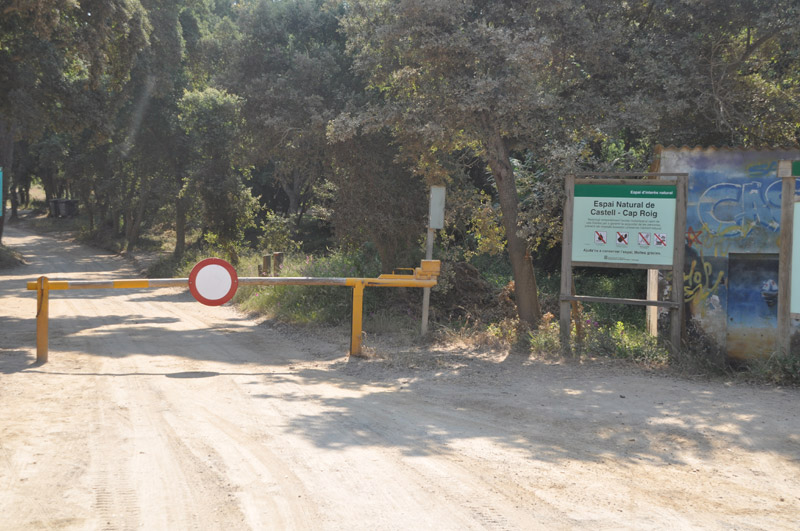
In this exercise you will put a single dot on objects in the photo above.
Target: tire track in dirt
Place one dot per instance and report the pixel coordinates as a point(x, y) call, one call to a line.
point(426, 455)
point(129, 439)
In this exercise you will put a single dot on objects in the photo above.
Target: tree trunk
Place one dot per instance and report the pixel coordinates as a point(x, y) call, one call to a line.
point(525, 289)
point(290, 185)
point(133, 228)
point(116, 222)
point(48, 183)
point(14, 197)
point(90, 215)
point(102, 207)
point(6, 162)
point(180, 226)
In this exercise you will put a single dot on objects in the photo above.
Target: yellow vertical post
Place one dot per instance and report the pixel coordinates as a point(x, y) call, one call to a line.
point(358, 307)
point(42, 318)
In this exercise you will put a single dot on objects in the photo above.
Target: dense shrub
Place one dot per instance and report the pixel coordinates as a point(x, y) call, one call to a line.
point(322, 304)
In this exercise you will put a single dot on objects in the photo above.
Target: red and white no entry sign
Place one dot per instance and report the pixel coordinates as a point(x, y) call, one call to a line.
point(213, 281)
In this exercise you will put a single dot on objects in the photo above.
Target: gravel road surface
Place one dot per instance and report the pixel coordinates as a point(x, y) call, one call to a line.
point(155, 412)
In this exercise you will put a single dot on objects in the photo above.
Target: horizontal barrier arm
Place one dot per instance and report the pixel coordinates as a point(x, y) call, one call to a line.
point(397, 283)
point(243, 281)
point(292, 281)
point(313, 281)
point(110, 284)
point(633, 302)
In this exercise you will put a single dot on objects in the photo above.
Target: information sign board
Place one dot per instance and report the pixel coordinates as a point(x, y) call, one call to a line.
point(624, 224)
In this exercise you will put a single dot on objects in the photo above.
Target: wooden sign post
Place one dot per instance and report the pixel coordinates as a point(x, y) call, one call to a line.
point(789, 292)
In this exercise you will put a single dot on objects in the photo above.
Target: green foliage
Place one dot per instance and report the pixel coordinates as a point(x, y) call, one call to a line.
point(487, 229)
point(455, 78)
point(212, 122)
point(291, 73)
point(493, 268)
point(377, 200)
point(507, 331)
point(617, 341)
point(545, 340)
point(276, 234)
point(703, 74)
point(612, 330)
point(231, 250)
point(61, 64)
point(320, 304)
point(779, 369)
point(171, 266)
point(619, 283)
point(152, 113)
point(598, 282)
point(614, 341)
point(166, 267)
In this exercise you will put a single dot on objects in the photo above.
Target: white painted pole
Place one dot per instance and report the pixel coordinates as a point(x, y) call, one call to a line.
point(435, 221)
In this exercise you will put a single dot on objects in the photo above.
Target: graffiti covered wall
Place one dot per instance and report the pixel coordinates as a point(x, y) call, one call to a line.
point(732, 243)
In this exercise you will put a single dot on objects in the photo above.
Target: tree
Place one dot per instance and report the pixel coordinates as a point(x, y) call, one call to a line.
point(456, 76)
point(150, 169)
point(508, 78)
point(52, 57)
point(684, 73)
point(291, 73)
point(212, 121)
point(377, 199)
point(708, 73)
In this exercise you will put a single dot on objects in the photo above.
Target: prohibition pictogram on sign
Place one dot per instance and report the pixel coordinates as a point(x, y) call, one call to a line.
point(644, 238)
point(600, 237)
point(622, 238)
point(660, 239)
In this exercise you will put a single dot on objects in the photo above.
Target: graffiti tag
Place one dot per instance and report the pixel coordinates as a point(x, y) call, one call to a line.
point(763, 170)
point(693, 236)
point(698, 284)
point(743, 206)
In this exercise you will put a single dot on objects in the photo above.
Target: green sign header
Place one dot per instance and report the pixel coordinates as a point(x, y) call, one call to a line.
point(624, 190)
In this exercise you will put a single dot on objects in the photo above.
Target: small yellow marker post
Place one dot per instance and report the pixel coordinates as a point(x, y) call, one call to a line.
point(42, 311)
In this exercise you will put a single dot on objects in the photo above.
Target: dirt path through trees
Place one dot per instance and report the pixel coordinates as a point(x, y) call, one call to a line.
point(156, 412)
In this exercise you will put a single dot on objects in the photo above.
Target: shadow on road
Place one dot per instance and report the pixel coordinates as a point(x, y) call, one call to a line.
point(543, 411)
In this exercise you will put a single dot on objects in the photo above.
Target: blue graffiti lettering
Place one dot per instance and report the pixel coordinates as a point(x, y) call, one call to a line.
point(727, 205)
point(763, 170)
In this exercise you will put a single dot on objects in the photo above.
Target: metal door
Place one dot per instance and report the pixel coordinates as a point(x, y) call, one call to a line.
point(752, 305)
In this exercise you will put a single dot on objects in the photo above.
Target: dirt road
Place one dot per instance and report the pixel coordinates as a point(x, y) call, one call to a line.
point(155, 412)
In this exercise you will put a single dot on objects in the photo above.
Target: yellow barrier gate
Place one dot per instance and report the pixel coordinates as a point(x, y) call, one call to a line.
point(424, 276)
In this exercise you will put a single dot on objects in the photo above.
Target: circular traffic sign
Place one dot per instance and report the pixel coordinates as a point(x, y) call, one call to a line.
point(213, 281)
